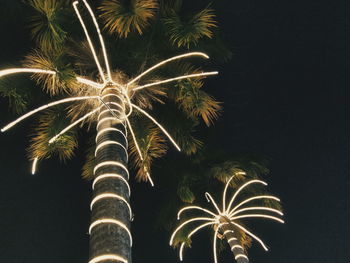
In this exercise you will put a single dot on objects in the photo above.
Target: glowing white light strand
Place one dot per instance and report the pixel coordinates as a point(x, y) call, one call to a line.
point(187, 222)
point(89, 41)
point(254, 198)
point(209, 197)
point(202, 74)
point(257, 215)
point(28, 114)
point(108, 110)
point(111, 221)
point(191, 234)
point(240, 189)
point(257, 208)
point(241, 256)
point(110, 195)
point(193, 207)
point(105, 143)
point(224, 194)
point(160, 126)
point(231, 239)
point(101, 39)
point(252, 235)
point(107, 163)
point(167, 61)
point(150, 179)
point(10, 71)
point(35, 161)
point(108, 257)
point(236, 246)
point(134, 139)
point(228, 231)
point(53, 139)
point(108, 119)
point(89, 83)
point(111, 175)
point(214, 243)
point(111, 129)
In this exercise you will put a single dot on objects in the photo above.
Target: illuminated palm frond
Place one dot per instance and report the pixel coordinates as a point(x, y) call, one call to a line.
point(196, 102)
point(64, 79)
point(186, 31)
point(152, 145)
point(50, 123)
point(15, 92)
point(45, 24)
point(225, 220)
point(90, 162)
point(124, 17)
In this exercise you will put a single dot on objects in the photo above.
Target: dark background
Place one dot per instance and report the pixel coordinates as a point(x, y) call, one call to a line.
point(286, 96)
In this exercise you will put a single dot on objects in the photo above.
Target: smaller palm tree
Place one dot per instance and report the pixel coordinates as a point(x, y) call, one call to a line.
point(226, 221)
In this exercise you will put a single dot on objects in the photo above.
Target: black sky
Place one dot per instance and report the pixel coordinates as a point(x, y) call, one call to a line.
point(286, 96)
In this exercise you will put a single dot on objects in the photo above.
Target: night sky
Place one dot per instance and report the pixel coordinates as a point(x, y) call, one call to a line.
point(286, 97)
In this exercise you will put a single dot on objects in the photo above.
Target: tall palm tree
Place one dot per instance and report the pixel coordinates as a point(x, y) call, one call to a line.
point(112, 102)
point(226, 220)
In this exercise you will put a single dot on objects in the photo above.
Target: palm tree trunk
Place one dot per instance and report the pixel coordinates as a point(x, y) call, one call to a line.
point(110, 238)
point(236, 248)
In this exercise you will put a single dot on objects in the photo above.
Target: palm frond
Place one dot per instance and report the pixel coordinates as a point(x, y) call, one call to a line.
point(90, 162)
point(51, 123)
point(16, 92)
point(124, 17)
point(196, 102)
point(46, 24)
point(185, 194)
point(63, 81)
point(186, 31)
point(152, 145)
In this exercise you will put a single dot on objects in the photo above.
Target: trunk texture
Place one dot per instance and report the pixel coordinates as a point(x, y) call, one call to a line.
point(110, 238)
point(236, 248)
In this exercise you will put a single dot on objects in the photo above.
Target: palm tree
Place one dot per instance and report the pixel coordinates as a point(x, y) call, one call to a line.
point(115, 104)
point(226, 220)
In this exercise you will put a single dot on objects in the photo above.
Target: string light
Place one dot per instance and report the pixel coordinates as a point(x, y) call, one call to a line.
point(89, 83)
point(160, 126)
point(53, 139)
point(101, 39)
point(257, 215)
point(111, 175)
point(240, 189)
point(105, 143)
point(191, 234)
point(241, 256)
point(255, 198)
point(34, 165)
point(44, 107)
point(236, 246)
point(111, 221)
point(251, 234)
point(209, 197)
point(231, 239)
point(89, 41)
point(110, 129)
point(177, 78)
point(150, 179)
point(108, 257)
point(114, 163)
point(167, 61)
point(110, 195)
point(10, 71)
point(187, 222)
point(194, 207)
point(257, 208)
